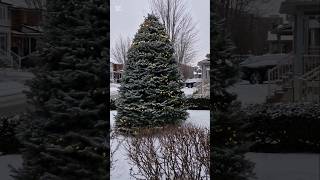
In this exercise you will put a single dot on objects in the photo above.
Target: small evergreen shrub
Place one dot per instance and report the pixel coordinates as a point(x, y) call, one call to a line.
point(284, 127)
point(8, 142)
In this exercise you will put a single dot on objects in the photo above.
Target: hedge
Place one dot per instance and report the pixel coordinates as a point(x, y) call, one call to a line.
point(284, 127)
point(193, 103)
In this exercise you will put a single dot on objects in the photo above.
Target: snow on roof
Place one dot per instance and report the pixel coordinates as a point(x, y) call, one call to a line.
point(266, 60)
point(114, 61)
point(194, 80)
point(205, 61)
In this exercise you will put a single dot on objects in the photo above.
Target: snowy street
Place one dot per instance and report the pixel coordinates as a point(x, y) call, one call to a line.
point(12, 99)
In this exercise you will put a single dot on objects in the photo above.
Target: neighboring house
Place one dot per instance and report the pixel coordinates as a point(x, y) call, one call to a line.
point(301, 83)
point(20, 31)
point(197, 72)
point(280, 39)
point(205, 69)
point(116, 71)
point(204, 88)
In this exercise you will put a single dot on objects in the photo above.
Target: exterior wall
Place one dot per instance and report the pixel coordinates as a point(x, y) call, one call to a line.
point(30, 17)
point(5, 31)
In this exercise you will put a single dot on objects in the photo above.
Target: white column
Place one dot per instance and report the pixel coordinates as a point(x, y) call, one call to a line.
point(299, 51)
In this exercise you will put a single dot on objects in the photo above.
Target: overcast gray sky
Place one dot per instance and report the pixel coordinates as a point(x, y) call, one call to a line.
point(127, 15)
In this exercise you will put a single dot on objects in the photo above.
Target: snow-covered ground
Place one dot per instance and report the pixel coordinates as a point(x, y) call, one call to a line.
point(13, 160)
point(270, 166)
point(189, 91)
point(250, 93)
point(114, 88)
point(12, 100)
point(121, 170)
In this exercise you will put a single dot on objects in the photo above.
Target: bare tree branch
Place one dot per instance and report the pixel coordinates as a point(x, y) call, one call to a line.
point(119, 51)
point(179, 26)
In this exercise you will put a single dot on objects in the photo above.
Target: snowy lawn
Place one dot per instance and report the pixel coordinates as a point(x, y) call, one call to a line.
point(121, 170)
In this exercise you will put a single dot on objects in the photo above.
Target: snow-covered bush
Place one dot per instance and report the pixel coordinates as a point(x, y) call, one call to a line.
point(284, 127)
point(170, 153)
point(8, 141)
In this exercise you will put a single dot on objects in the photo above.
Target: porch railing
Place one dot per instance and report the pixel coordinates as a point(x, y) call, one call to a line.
point(310, 83)
point(310, 62)
point(11, 59)
point(279, 76)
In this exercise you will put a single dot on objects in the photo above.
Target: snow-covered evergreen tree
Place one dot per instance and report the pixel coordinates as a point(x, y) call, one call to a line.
point(64, 137)
point(150, 94)
point(227, 139)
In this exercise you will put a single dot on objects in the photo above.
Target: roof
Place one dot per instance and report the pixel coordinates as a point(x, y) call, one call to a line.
point(205, 62)
point(266, 60)
point(291, 6)
point(114, 61)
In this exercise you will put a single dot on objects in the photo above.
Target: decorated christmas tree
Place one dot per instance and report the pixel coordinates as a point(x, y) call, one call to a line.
point(227, 135)
point(65, 135)
point(150, 93)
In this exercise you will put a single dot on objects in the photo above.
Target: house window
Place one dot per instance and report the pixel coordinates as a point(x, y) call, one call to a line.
point(314, 37)
point(3, 14)
point(314, 33)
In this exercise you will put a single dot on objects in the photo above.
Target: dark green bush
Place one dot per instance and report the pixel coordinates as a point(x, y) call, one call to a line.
point(198, 103)
point(284, 127)
point(112, 105)
point(8, 142)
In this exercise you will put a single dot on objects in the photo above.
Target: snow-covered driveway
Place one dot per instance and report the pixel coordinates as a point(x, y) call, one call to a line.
point(250, 93)
point(13, 160)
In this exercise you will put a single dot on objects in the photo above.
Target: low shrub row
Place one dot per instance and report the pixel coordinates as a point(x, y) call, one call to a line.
point(284, 127)
point(8, 142)
point(192, 103)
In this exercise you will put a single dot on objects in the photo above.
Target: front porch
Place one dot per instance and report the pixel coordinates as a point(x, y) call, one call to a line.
point(299, 81)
